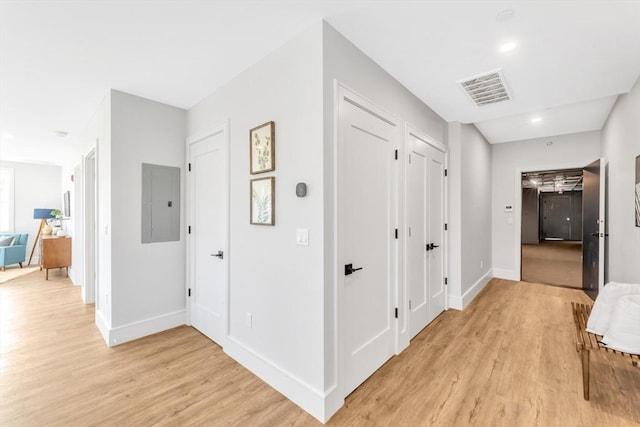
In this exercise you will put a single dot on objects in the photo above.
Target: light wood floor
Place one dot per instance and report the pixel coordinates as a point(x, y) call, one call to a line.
point(553, 262)
point(508, 360)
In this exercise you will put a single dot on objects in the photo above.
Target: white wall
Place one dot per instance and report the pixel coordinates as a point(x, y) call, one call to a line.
point(510, 159)
point(279, 283)
point(469, 213)
point(290, 290)
point(36, 186)
point(97, 135)
point(147, 280)
point(620, 146)
point(344, 62)
point(475, 213)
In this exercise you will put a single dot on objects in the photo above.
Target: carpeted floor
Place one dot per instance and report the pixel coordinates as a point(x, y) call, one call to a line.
point(555, 263)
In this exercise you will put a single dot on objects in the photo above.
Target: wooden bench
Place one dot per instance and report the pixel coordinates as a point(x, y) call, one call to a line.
point(586, 341)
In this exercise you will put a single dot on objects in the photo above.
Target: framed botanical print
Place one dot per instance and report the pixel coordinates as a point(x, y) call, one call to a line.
point(262, 148)
point(262, 200)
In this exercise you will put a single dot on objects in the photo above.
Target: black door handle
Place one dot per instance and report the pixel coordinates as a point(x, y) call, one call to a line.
point(431, 246)
point(348, 269)
point(220, 255)
point(595, 235)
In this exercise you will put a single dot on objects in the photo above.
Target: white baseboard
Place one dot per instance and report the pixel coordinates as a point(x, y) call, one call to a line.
point(333, 401)
point(103, 326)
point(142, 328)
point(458, 302)
point(500, 273)
point(293, 388)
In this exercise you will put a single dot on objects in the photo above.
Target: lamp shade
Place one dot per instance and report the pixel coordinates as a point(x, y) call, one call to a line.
point(42, 214)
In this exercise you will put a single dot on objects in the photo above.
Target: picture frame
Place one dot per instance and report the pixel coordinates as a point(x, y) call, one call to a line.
point(637, 187)
point(262, 148)
point(262, 201)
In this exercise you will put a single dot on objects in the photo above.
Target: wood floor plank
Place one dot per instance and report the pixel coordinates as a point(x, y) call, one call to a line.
point(508, 359)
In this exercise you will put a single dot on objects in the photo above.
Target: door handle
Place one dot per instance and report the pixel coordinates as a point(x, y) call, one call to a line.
point(431, 246)
point(348, 269)
point(220, 255)
point(595, 234)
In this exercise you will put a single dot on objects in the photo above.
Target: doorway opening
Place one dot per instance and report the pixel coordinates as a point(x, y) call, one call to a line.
point(551, 234)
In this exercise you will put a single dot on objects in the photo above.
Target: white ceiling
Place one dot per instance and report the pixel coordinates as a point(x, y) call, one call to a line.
point(58, 59)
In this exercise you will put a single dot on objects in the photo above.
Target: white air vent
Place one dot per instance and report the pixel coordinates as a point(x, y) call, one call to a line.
point(487, 88)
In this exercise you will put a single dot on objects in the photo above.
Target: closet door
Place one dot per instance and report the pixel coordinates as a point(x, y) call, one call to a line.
point(425, 233)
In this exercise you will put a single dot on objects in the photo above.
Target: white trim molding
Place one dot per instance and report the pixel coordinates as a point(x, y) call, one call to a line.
point(458, 302)
point(501, 273)
point(296, 390)
point(103, 326)
point(133, 331)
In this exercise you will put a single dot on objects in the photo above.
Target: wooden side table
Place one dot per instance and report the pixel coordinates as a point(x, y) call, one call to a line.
point(55, 252)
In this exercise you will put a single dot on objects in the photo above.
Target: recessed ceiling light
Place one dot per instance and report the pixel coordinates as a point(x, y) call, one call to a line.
point(536, 119)
point(7, 135)
point(508, 47)
point(61, 133)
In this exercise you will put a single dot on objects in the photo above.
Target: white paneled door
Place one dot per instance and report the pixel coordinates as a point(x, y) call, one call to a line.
point(208, 256)
point(425, 233)
point(367, 181)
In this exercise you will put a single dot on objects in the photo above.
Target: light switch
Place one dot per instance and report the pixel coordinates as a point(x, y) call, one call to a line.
point(302, 236)
point(510, 221)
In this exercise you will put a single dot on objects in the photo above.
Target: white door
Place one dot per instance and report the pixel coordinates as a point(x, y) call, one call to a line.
point(425, 234)
point(90, 285)
point(367, 186)
point(208, 221)
point(417, 236)
point(435, 255)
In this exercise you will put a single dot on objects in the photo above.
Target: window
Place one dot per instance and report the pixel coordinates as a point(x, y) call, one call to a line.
point(6, 199)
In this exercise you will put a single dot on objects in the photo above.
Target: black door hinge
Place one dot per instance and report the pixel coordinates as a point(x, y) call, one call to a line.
point(396, 312)
point(446, 173)
point(189, 167)
point(446, 281)
point(396, 233)
point(396, 154)
point(189, 293)
point(189, 229)
point(446, 227)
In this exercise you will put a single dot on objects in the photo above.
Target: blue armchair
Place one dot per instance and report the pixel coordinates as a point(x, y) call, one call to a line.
point(16, 253)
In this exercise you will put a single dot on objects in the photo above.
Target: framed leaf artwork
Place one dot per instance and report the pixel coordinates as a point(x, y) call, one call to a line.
point(262, 199)
point(262, 148)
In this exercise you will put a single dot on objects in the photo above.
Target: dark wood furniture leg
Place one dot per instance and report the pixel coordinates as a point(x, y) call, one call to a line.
point(585, 372)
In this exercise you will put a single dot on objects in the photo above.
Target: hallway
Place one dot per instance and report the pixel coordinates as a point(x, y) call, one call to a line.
point(553, 262)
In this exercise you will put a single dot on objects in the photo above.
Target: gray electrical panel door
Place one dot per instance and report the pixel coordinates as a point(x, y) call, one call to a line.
point(160, 203)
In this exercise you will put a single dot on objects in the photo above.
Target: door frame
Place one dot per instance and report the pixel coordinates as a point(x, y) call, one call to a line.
point(90, 230)
point(516, 274)
point(222, 127)
point(341, 92)
point(409, 132)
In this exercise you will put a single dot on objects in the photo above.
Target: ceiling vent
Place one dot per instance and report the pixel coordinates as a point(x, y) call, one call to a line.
point(486, 88)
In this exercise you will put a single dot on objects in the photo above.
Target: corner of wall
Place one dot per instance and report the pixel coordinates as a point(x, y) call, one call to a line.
point(461, 302)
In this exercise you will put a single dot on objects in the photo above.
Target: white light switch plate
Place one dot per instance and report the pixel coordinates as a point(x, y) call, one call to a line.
point(302, 236)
